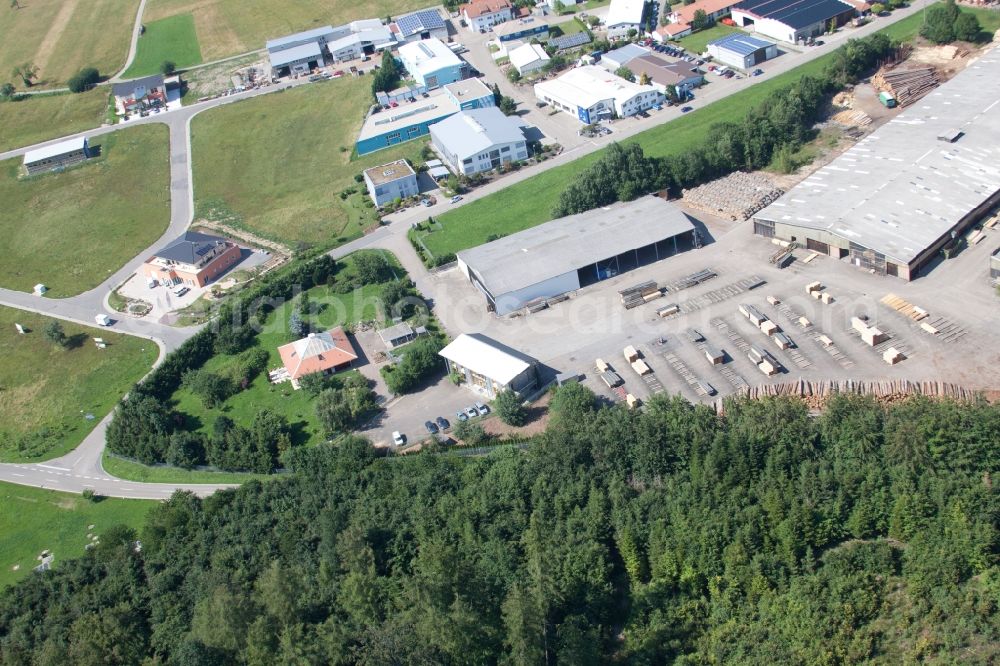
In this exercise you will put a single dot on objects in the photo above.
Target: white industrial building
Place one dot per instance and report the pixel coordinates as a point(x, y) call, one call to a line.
point(561, 256)
point(620, 57)
point(56, 156)
point(392, 181)
point(591, 93)
point(479, 140)
point(432, 63)
point(791, 20)
point(624, 15)
point(358, 39)
point(489, 367)
point(897, 197)
point(528, 58)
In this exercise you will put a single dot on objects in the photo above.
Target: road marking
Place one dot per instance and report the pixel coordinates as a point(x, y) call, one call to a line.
point(65, 469)
point(16, 474)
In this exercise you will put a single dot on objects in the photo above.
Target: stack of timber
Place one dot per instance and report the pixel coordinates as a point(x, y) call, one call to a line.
point(852, 118)
point(816, 393)
point(737, 196)
point(906, 85)
point(636, 295)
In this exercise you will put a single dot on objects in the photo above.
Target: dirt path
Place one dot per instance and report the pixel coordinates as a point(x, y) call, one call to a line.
point(48, 45)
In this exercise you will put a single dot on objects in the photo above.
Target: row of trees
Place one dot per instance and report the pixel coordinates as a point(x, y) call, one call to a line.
point(944, 23)
point(784, 119)
point(866, 535)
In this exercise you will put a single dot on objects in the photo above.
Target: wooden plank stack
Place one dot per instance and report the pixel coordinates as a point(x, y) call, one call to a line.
point(638, 294)
point(817, 392)
point(906, 85)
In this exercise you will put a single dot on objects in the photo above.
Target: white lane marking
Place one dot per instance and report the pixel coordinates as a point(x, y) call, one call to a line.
point(16, 474)
point(65, 469)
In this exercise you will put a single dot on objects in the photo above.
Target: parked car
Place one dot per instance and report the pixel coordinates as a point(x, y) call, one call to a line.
point(425, 202)
point(442, 423)
point(540, 105)
point(471, 412)
point(756, 72)
point(685, 109)
point(180, 291)
point(398, 438)
point(431, 428)
point(456, 198)
point(482, 409)
point(462, 416)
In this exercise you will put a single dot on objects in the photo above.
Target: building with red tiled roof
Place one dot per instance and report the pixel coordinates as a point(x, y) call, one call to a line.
point(482, 15)
point(714, 9)
point(326, 352)
point(670, 31)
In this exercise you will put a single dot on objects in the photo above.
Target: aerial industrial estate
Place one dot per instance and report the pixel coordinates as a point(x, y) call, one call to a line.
point(434, 231)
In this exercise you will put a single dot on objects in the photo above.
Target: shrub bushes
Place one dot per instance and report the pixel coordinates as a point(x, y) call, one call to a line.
point(84, 80)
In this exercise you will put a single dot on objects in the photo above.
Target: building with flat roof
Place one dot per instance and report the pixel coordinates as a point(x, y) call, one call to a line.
point(399, 334)
point(388, 182)
point(386, 127)
point(479, 140)
point(327, 352)
point(938, 173)
point(791, 20)
point(528, 58)
point(620, 57)
point(624, 15)
point(418, 25)
point(489, 367)
point(358, 39)
point(742, 51)
point(56, 156)
point(564, 255)
point(431, 63)
point(193, 259)
point(296, 60)
point(664, 74)
point(591, 93)
point(482, 15)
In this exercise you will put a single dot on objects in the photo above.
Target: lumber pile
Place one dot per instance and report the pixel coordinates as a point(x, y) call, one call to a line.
point(638, 294)
point(852, 118)
point(737, 196)
point(906, 85)
point(816, 393)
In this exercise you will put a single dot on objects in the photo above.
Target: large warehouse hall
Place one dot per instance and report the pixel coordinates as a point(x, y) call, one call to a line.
point(564, 255)
point(938, 168)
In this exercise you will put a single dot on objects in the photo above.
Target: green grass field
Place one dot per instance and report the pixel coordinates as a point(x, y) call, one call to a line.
point(570, 27)
point(334, 310)
point(61, 36)
point(275, 165)
point(33, 520)
point(88, 221)
point(133, 471)
point(173, 39)
point(46, 392)
point(530, 202)
point(38, 118)
point(228, 27)
point(695, 43)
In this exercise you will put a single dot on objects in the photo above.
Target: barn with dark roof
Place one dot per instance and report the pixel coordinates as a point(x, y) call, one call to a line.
point(791, 20)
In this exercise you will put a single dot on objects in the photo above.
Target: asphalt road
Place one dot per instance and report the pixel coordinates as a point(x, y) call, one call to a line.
point(82, 468)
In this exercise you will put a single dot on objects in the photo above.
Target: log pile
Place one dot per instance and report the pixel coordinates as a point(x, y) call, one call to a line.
point(816, 393)
point(737, 196)
point(906, 85)
point(638, 294)
point(852, 118)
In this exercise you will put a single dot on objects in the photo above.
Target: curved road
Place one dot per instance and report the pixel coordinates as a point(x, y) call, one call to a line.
point(81, 468)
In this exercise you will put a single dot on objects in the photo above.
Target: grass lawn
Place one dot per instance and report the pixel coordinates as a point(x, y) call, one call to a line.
point(61, 36)
point(228, 27)
point(696, 42)
point(570, 27)
point(333, 310)
point(47, 391)
point(530, 202)
point(33, 520)
point(37, 118)
point(172, 38)
point(133, 471)
point(275, 165)
point(86, 222)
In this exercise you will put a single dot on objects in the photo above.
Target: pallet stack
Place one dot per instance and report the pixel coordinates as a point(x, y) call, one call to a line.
point(906, 85)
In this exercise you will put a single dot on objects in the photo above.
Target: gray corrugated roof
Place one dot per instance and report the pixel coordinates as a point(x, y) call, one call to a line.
point(125, 88)
point(471, 132)
point(900, 189)
point(189, 247)
point(570, 243)
point(303, 52)
point(308, 35)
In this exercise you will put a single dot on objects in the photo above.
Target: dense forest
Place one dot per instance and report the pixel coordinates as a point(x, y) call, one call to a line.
point(764, 536)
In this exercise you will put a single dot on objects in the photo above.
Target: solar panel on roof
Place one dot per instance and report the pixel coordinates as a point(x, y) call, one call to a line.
point(796, 13)
point(427, 19)
point(569, 41)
